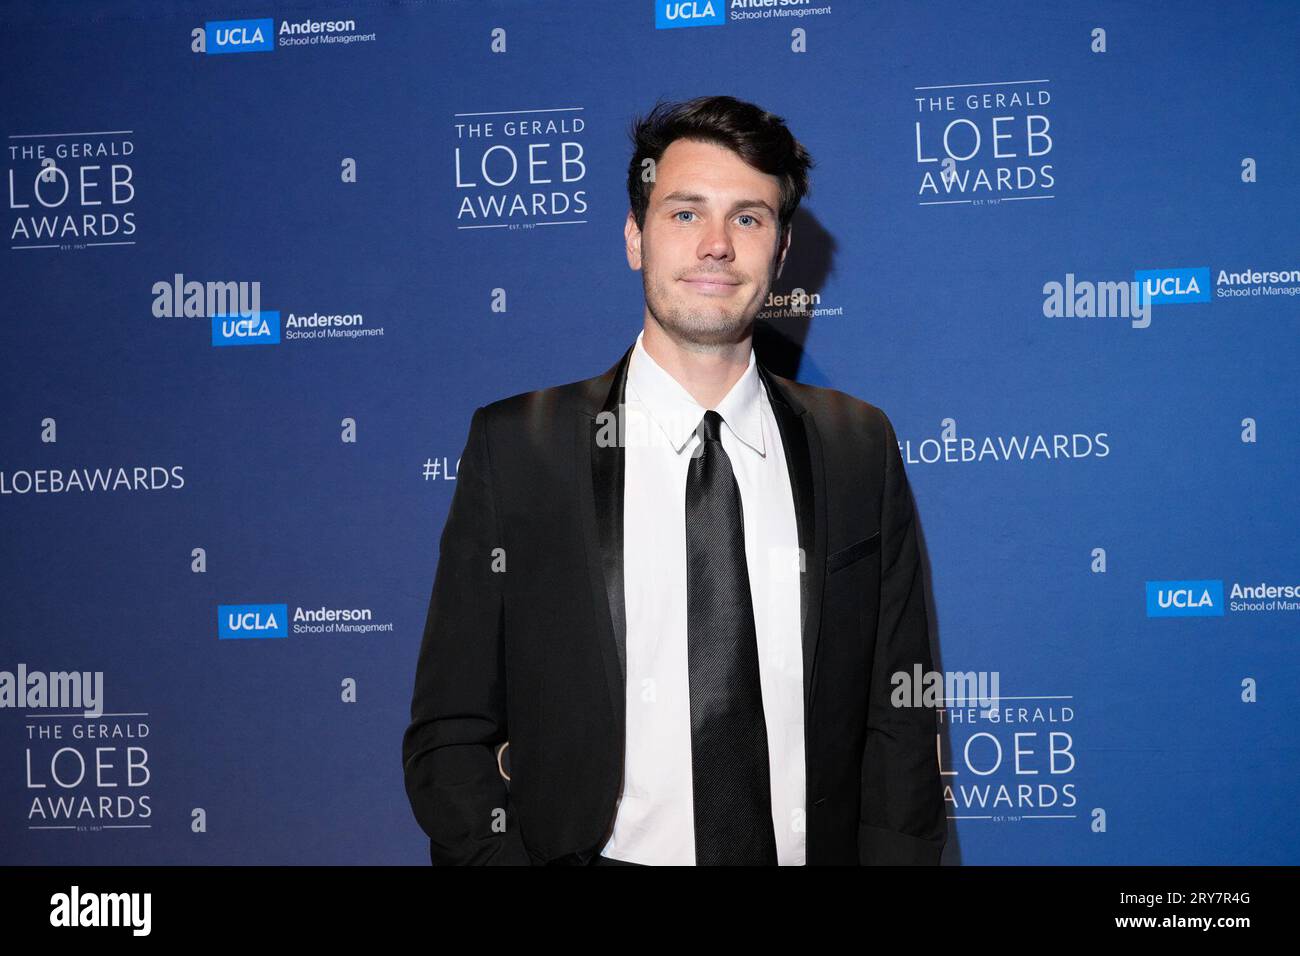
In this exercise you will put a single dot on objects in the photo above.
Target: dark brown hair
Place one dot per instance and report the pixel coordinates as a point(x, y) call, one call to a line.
point(757, 136)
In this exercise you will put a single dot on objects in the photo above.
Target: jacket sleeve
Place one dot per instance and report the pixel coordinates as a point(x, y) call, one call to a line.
point(903, 814)
point(458, 709)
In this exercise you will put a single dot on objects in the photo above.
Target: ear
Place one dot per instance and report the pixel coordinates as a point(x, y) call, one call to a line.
point(632, 236)
point(783, 248)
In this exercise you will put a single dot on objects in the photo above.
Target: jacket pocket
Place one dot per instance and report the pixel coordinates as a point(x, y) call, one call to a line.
point(854, 552)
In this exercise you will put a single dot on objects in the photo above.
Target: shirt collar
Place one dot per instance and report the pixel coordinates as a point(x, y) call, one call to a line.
point(677, 414)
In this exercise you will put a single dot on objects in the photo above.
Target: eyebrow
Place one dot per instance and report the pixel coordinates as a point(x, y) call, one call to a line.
point(680, 196)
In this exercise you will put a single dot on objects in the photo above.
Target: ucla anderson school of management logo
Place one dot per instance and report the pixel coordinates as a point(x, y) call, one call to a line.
point(671, 14)
point(262, 36)
point(1207, 598)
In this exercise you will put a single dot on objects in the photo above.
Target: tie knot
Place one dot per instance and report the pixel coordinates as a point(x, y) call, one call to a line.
point(710, 427)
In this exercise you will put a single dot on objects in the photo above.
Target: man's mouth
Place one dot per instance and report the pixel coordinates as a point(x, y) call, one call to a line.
point(712, 284)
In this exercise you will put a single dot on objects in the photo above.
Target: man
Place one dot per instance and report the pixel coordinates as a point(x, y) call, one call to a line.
point(679, 590)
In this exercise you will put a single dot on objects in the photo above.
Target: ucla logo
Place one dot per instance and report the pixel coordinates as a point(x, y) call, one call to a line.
point(1184, 599)
point(1172, 286)
point(242, 621)
point(239, 36)
point(688, 13)
point(260, 328)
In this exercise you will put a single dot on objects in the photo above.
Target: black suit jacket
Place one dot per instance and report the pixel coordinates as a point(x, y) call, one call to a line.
point(526, 643)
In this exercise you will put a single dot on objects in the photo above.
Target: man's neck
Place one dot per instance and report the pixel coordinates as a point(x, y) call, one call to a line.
point(708, 376)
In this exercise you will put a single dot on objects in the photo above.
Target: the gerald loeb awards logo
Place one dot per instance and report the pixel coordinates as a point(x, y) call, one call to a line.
point(519, 169)
point(71, 191)
point(86, 768)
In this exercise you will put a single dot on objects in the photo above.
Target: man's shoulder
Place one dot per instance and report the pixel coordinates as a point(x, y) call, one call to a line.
point(853, 433)
point(833, 409)
point(553, 404)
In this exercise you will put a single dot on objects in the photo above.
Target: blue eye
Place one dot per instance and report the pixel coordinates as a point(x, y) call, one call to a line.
point(681, 212)
point(748, 216)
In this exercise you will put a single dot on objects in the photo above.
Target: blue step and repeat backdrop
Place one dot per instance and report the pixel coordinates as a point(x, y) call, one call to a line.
point(1057, 243)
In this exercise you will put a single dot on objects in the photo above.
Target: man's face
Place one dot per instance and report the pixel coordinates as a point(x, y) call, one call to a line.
point(710, 249)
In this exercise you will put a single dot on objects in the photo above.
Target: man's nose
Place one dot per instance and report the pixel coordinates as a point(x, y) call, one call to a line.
point(716, 243)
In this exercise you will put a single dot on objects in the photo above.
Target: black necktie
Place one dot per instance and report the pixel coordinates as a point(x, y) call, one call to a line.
point(730, 779)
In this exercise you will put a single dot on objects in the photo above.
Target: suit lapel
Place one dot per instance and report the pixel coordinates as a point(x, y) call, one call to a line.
point(600, 461)
point(803, 459)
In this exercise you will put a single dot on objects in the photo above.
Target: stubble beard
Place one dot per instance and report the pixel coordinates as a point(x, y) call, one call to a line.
point(702, 329)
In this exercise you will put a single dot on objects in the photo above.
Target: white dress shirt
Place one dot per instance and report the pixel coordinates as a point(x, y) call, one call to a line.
point(654, 822)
